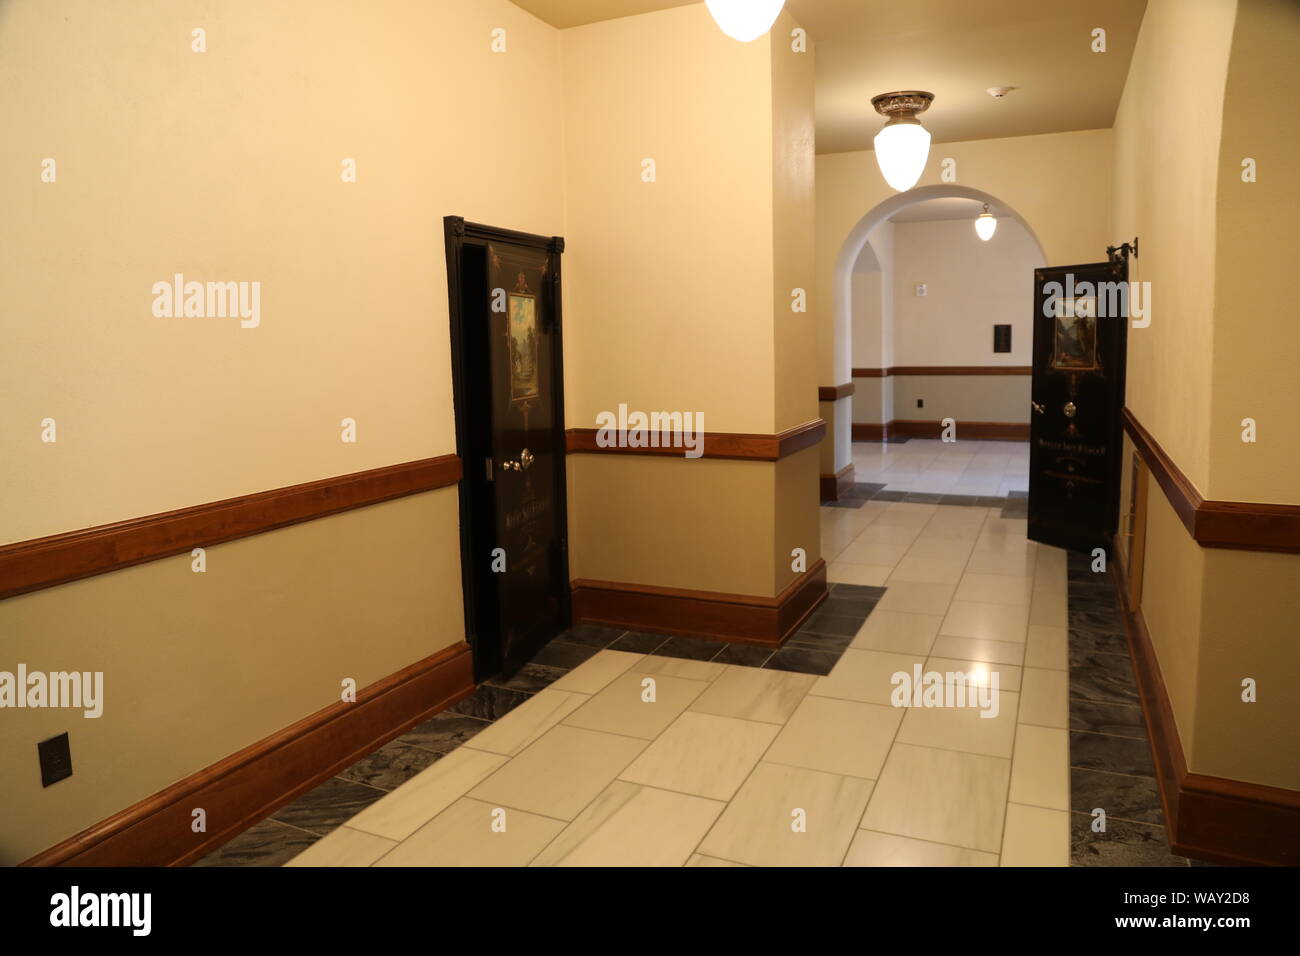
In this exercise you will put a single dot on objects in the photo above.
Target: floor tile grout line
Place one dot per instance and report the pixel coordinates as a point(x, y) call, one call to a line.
point(752, 769)
point(904, 836)
point(899, 728)
point(465, 744)
point(623, 769)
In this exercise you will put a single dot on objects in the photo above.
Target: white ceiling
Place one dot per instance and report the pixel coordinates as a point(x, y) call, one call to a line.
point(955, 49)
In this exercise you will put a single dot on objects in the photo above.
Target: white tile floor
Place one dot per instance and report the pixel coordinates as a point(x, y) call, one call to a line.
point(991, 468)
point(719, 768)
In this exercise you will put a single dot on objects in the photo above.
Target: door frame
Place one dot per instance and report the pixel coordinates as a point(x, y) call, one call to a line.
point(458, 233)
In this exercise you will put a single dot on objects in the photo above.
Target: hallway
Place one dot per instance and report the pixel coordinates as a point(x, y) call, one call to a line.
point(584, 772)
point(932, 466)
point(649, 432)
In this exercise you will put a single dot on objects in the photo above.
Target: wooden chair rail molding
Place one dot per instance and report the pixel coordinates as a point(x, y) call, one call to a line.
point(58, 559)
point(833, 393)
point(1240, 525)
point(966, 431)
point(943, 370)
point(733, 445)
point(1208, 818)
point(247, 786)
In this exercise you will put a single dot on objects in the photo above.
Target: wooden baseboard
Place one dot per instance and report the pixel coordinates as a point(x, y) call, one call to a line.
point(741, 618)
point(247, 786)
point(834, 487)
point(865, 431)
point(929, 370)
point(966, 431)
point(1207, 818)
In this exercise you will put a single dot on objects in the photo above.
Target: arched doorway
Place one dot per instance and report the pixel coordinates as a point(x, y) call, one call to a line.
point(857, 250)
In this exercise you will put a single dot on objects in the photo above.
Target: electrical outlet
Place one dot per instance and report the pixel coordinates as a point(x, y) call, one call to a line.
point(920, 403)
point(56, 759)
point(920, 288)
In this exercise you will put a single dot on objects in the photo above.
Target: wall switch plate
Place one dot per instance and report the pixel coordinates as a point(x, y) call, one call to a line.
point(920, 403)
point(920, 288)
point(56, 759)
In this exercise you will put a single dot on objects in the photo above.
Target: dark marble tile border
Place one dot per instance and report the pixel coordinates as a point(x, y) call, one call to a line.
point(813, 649)
point(1014, 505)
point(1111, 767)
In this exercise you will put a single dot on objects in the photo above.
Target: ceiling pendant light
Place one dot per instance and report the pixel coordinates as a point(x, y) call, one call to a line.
point(985, 224)
point(745, 20)
point(903, 146)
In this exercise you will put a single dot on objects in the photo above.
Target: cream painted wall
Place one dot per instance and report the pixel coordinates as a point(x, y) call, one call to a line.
point(703, 524)
point(795, 481)
point(669, 300)
point(1252, 599)
point(1166, 169)
point(1172, 587)
point(701, 263)
point(868, 400)
point(1213, 248)
point(1256, 332)
point(793, 169)
point(970, 286)
point(866, 340)
point(197, 666)
point(1249, 627)
point(1060, 183)
point(225, 165)
point(965, 398)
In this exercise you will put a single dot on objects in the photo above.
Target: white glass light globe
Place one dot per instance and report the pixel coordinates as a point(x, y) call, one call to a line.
point(985, 226)
point(745, 20)
point(901, 151)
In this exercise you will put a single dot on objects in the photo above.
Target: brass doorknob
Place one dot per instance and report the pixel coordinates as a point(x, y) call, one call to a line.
point(525, 462)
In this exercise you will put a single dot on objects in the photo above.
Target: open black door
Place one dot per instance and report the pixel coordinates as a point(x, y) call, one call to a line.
point(509, 392)
point(1075, 433)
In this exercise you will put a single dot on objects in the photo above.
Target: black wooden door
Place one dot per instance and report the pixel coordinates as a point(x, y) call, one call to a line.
point(508, 381)
point(1080, 335)
point(527, 444)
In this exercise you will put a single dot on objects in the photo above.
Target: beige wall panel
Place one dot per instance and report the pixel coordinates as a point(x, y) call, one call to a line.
point(1252, 606)
point(867, 335)
point(1256, 332)
point(1166, 177)
point(793, 167)
point(796, 527)
point(197, 666)
point(1060, 183)
point(971, 398)
point(226, 165)
point(705, 524)
point(1173, 585)
point(669, 298)
point(868, 400)
point(971, 285)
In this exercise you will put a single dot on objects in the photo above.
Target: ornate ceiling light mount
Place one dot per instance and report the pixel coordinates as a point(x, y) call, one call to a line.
point(903, 146)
